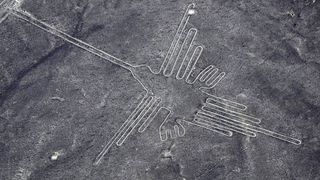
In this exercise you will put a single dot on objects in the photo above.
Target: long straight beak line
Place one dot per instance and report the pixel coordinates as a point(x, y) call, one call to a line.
point(77, 42)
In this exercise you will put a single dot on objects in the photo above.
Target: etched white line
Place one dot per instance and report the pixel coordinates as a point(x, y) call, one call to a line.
point(183, 66)
point(135, 122)
point(215, 81)
point(213, 107)
point(193, 61)
point(211, 128)
point(176, 38)
point(225, 124)
point(117, 134)
point(81, 44)
point(258, 129)
point(173, 61)
point(150, 118)
point(208, 73)
point(225, 102)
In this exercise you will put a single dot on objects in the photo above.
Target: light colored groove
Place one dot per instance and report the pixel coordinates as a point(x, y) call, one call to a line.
point(211, 128)
point(141, 110)
point(161, 126)
point(174, 51)
point(229, 119)
point(167, 133)
point(77, 42)
point(193, 61)
point(176, 128)
point(172, 135)
point(235, 105)
point(211, 72)
point(202, 72)
point(178, 76)
point(225, 124)
point(258, 129)
point(213, 107)
point(177, 36)
point(4, 9)
point(135, 122)
point(177, 132)
point(188, 36)
point(212, 76)
point(4, 17)
point(164, 132)
point(132, 117)
point(151, 116)
point(81, 44)
point(107, 147)
point(216, 80)
point(225, 102)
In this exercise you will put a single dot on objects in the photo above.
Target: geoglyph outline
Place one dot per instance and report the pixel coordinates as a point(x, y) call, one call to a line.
point(217, 114)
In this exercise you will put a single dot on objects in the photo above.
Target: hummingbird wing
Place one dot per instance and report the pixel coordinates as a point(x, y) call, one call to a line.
point(144, 112)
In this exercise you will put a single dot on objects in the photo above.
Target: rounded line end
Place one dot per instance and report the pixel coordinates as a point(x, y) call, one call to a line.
point(230, 134)
point(296, 142)
point(253, 135)
point(192, 5)
point(97, 160)
point(96, 163)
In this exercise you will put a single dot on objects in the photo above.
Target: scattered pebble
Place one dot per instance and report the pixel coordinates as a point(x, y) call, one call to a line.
point(55, 155)
point(57, 98)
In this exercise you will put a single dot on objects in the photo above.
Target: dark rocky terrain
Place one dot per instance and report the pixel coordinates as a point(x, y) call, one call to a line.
point(57, 100)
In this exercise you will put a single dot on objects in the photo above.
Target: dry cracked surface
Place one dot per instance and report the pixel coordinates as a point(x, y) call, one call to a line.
point(59, 104)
